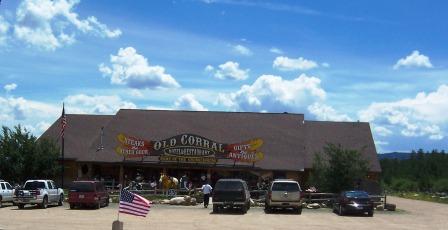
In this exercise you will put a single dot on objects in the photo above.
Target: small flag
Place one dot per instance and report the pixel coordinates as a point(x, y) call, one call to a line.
point(133, 204)
point(63, 121)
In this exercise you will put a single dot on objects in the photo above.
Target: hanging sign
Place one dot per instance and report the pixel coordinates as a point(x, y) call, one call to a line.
point(132, 147)
point(190, 148)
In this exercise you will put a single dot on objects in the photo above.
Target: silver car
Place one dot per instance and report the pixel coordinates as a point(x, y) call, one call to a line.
point(6, 192)
point(284, 194)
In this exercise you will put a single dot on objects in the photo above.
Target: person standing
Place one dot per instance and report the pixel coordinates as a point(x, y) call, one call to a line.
point(206, 190)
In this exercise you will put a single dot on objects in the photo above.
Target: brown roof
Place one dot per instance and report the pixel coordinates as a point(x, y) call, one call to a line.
point(289, 141)
point(350, 135)
point(79, 132)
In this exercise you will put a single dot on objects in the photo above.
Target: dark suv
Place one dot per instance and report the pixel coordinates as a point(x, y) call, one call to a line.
point(231, 193)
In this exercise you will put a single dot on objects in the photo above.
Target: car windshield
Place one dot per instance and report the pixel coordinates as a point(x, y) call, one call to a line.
point(289, 187)
point(357, 194)
point(229, 185)
point(34, 185)
point(82, 187)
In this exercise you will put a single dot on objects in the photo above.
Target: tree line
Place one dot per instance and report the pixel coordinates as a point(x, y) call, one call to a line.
point(423, 171)
point(24, 156)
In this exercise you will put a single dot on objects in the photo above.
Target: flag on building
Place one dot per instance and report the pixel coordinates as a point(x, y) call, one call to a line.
point(133, 204)
point(63, 121)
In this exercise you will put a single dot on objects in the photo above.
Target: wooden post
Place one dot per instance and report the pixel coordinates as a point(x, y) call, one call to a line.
point(121, 173)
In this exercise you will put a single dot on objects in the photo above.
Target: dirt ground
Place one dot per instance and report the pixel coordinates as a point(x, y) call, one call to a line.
point(411, 214)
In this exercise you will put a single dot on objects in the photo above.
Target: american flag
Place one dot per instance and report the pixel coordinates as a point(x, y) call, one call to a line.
point(63, 121)
point(133, 204)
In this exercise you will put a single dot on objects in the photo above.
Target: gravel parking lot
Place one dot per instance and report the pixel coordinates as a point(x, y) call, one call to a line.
point(411, 215)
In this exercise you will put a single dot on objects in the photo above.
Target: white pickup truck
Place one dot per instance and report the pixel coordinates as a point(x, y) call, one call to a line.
point(40, 192)
point(6, 192)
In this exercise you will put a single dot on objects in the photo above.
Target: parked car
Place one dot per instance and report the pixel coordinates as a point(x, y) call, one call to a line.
point(88, 193)
point(39, 192)
point(6, 192)
point(230, 193)
point(284, 194)
point(353, 202)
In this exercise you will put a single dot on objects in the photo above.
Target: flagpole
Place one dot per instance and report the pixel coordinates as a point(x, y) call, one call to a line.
point(63, 145)
point(119, 197)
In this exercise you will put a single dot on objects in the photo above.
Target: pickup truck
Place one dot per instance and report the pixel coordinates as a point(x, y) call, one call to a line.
point(230, 193)
point(6, 192)
point(39, 192)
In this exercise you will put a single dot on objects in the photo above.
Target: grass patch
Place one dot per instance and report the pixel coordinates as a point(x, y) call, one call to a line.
point(420, 196)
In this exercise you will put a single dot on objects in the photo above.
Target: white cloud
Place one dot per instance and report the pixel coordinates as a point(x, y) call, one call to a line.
point(382, 131)
point(289, 64)
point(188, 102)
point(327, 113)
point(20, 109)
point(424, 115)
point(276, 50)
point(4, 28)
point(325, 64)
point(415, 59)
point(132, 69)
point(44, 23)
point(274, 94)
point(96, 104)
point(10, 87)
point(209, 68)
point(229, 70)
point(240, 49)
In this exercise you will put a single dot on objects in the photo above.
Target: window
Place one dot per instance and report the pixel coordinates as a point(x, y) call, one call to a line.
point(82, 187)
point(50, 186)
point(33, 185)
point(3, 186)
point(289, 187)
point(8, 186)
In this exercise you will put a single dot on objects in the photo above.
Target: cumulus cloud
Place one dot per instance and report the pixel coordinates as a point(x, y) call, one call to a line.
point(275, 94)
point(327, 113)
point(51, 24)
point(10, 87)
point(188, 102)
point(4, 28)
point(276, 50)
point(415, 59)
point(242, 50)
point(229, 70)
point(20, 109)
point(97, 104)
point(422, 116)
point(289, 64)
point(133, 70)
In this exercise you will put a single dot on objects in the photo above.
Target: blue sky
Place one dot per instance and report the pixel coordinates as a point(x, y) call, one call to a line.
point(383, 62)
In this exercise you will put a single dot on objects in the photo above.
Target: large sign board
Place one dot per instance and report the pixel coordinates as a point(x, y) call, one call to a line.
point(189, 148)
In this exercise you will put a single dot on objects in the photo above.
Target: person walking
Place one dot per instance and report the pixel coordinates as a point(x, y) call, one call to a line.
point(206, 190)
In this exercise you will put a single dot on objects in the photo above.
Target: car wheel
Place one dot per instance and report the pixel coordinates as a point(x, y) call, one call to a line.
point(267, 209)
point(61, 200)
point(1, 201)
point(244, 209)
point(370, 213)
point(299, 211)
point(44, 204)
point(98, 205)
point(107, 201)
point(72, 206)
point(215, 208)
point(21, 206)
point(341, 210)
